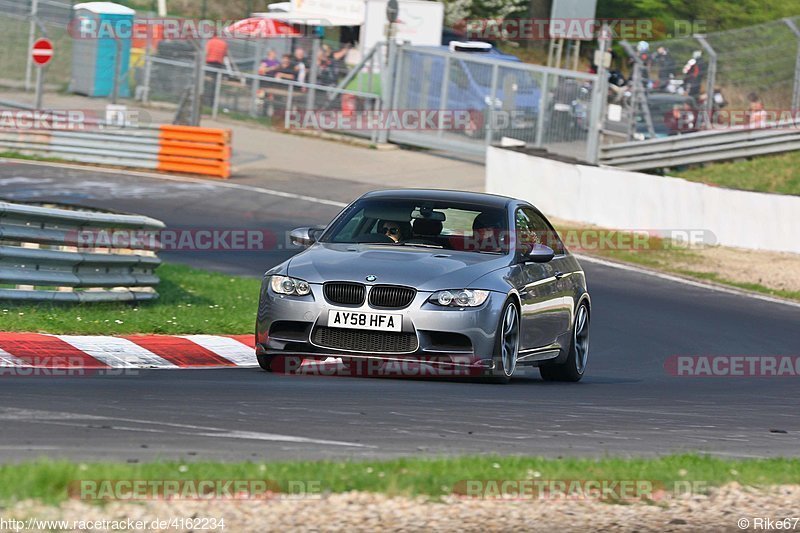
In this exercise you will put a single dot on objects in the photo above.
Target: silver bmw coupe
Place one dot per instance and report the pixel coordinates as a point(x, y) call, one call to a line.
point(467, 283)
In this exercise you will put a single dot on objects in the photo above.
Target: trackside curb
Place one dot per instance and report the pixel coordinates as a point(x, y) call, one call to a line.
point(38, 350)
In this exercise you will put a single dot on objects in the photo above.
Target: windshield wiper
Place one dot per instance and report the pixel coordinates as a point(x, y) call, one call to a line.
point(421, 245)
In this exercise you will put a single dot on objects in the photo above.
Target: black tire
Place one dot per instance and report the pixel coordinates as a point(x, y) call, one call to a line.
point(265, 362)
point(280, 364)
point(500, 374)
point(573, 368)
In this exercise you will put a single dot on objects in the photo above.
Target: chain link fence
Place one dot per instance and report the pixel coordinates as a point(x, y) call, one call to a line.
point(169, 75)
point(499, 98)
point(19, 28)
point(741, 69)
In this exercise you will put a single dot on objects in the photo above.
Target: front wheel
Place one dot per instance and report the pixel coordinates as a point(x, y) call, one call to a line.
point(575, 365)
point(280, 364)
point(265, 362)
point(506, 344)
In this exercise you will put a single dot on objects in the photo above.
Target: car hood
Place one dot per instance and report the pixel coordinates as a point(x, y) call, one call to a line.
point(422, 268)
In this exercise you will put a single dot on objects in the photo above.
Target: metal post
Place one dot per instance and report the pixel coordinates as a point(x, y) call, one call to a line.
point(544, 89)
point(315, 51)
point(117, 69)
point(796, 91)
point(254, 97)
point(289, 104)
point(148, 67)
point(493, 97)
point(370, 73)
point(31, 39)
point(199, 76)
point(708, 120)
point(599, 99)
point(443, 96)
point(399, 86)
point(217, 89)
point(388, 84)
point(559, 52)
point(375, 109)
point(39, 87)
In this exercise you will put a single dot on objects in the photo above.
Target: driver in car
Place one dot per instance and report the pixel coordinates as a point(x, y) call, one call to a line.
point(394, 230)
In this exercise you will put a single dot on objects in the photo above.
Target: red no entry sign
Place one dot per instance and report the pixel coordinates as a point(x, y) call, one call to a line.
point(42, 52)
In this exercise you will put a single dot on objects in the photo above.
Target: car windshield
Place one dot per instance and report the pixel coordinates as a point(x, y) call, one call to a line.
point(421, 223)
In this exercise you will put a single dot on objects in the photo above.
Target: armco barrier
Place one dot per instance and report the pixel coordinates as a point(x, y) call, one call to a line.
point(165, 148)
point(620, 199)
point(703, 147)
point(42, 257)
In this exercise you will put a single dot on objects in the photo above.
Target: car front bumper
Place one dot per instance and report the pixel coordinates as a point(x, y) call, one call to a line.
point(444, 336)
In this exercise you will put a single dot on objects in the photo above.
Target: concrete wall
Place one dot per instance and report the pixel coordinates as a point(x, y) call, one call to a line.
point(620, 199)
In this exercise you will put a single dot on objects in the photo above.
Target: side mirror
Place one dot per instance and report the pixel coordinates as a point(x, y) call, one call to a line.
point(538, 253)
point(305, 236)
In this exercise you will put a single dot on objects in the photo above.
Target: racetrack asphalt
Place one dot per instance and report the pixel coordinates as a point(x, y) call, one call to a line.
point(628, 404)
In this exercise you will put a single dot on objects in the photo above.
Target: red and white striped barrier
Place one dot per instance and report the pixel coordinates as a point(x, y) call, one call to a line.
point(38, 350)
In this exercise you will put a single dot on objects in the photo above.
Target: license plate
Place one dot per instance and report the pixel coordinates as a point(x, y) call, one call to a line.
point(357, 320)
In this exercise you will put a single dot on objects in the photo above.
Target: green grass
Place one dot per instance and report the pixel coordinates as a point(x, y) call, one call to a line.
point(48, 481)
point(361, 83)
point(192, 301)
point(711, 276)
point(29, 157)
point(773, 173)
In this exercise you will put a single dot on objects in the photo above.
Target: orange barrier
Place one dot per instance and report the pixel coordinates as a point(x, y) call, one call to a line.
point(195, 150)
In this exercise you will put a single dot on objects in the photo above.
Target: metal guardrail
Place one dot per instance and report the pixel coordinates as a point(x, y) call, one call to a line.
point(702, 147)
point(45, 256)
point(165, 148)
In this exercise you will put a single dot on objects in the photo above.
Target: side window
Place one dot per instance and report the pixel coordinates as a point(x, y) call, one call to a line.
point(349, 232)
point(533, 229)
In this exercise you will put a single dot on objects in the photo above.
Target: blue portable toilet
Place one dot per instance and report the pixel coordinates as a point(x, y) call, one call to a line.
point(101, 31)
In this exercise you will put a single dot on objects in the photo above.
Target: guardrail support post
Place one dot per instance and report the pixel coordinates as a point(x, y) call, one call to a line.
point(710, 81)
point(796, 90)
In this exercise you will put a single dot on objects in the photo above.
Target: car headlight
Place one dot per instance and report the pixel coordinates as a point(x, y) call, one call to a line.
point(459, 298)
point(291, 286)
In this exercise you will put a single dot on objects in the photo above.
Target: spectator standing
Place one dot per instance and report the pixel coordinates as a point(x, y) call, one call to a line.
point(325, 73)
point(693, 74)
point(666, 66)
point(338, 64)
point(300, 64)
point(216, 52)
point(758, 116)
